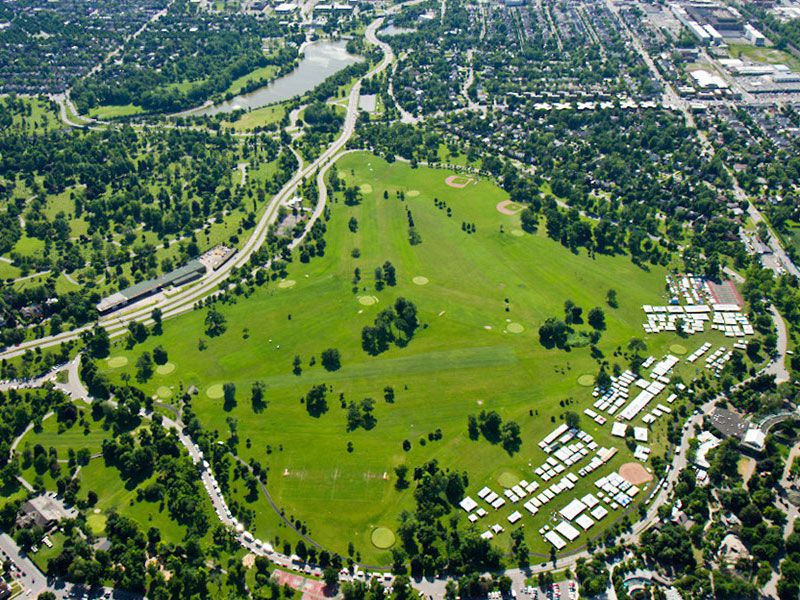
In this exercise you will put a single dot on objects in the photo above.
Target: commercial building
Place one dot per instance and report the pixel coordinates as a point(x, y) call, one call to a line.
point(754, 36)
point(44, 511)
point(755, 439)
point(706, 80)
point(180, 276)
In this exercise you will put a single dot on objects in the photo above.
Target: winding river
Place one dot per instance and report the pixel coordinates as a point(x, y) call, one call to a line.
point(320, 60)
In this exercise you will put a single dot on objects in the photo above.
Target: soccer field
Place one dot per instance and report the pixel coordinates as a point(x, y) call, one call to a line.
point(481, 298)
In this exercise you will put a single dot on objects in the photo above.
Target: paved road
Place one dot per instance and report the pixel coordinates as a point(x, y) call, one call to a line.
point(778, 366)
point(28, 574)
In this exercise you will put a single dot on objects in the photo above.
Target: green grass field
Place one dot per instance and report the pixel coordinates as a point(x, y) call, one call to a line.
point(43, 555)
point(112, 492)
point(109, 111)
point(62, 438)
point(259, 117)
point(42, 117)
point(761, 54)
point(463, 359)
point(236, 85)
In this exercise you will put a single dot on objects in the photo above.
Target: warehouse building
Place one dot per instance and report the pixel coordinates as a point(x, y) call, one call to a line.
point(180, 276)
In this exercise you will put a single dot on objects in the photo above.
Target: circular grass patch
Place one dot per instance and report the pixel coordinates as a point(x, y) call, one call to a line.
point(367, 300)
point(412, 193)
point(382, 538)
point(586, 380)
point(97, 523)
point(507, 479)
point(287, 283)
point(420, 280)
point(215, 391)
point(517, 232)
point(677, 349)
point(365, 188)
point(165, 369)
point(117, 362)
point(164, 392)
point(514, 328)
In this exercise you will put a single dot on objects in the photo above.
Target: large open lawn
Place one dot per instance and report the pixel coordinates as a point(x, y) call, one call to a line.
point(260, 117)
point(109, 111)
point(470, 354)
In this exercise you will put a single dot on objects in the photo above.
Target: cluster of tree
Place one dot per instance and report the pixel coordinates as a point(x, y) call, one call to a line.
point(759, 290)
point(396, 325)
point(789, 583)
point(557, 333)
point(784, 33)
point(385, 275)
point(391, 140)
point(361, 415)
point(430, 541)
point(322, 118)
point(614, 204)
point(593, 577)
point(316, 400)
point(491, 426)
point(215, 322)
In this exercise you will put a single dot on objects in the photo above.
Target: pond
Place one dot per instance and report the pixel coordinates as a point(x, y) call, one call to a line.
point(320, 60)
point(392, 29)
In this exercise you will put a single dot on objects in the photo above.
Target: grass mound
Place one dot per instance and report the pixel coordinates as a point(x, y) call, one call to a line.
point(586, 380)
point(507, 479)
point(117, 362)
point(677, 349)
point(215, 391)
point(383, 538)
point(97, 523)
point(165, 369)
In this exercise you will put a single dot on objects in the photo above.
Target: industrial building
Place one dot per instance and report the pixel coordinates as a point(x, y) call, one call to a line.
point(180, 276)
point(711, 22)
point(754, 36)
point(725, 20)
